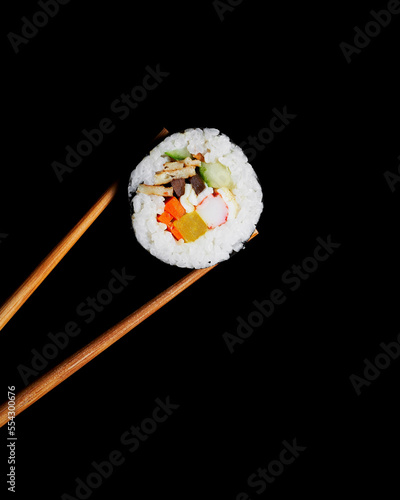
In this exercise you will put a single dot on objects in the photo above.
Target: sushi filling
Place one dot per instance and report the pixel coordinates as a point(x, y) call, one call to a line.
point(198, 195)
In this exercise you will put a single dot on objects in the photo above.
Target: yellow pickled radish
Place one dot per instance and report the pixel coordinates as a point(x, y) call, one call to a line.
point(191, 226)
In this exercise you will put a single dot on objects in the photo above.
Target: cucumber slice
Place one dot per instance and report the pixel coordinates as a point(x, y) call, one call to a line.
point(216, 175)
point(178, 154)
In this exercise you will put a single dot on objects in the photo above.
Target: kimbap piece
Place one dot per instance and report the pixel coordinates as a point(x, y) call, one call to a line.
point(195, 199)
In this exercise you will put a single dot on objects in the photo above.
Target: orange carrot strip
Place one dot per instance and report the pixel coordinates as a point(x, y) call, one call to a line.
point(165, 218)
point(176, 232)
point(174, 208)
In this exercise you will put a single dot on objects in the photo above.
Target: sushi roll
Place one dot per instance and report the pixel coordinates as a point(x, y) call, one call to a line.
point(195, 199)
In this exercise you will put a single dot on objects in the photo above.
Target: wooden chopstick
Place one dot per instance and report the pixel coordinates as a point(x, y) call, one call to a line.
point(66, 368)
point(22, 294)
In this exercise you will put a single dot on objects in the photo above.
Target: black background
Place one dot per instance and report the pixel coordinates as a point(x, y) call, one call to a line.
point(323, 175)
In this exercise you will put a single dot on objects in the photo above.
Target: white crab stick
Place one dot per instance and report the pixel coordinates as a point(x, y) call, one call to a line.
point(213, 210)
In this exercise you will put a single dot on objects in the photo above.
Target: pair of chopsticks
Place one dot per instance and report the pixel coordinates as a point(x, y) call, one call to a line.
point(22, 294)
point(69, 366)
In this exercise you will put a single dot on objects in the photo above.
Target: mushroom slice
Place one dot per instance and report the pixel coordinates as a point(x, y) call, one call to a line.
point(168, 175)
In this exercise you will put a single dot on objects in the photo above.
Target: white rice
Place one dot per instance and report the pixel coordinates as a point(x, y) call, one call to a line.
point(216, 244)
